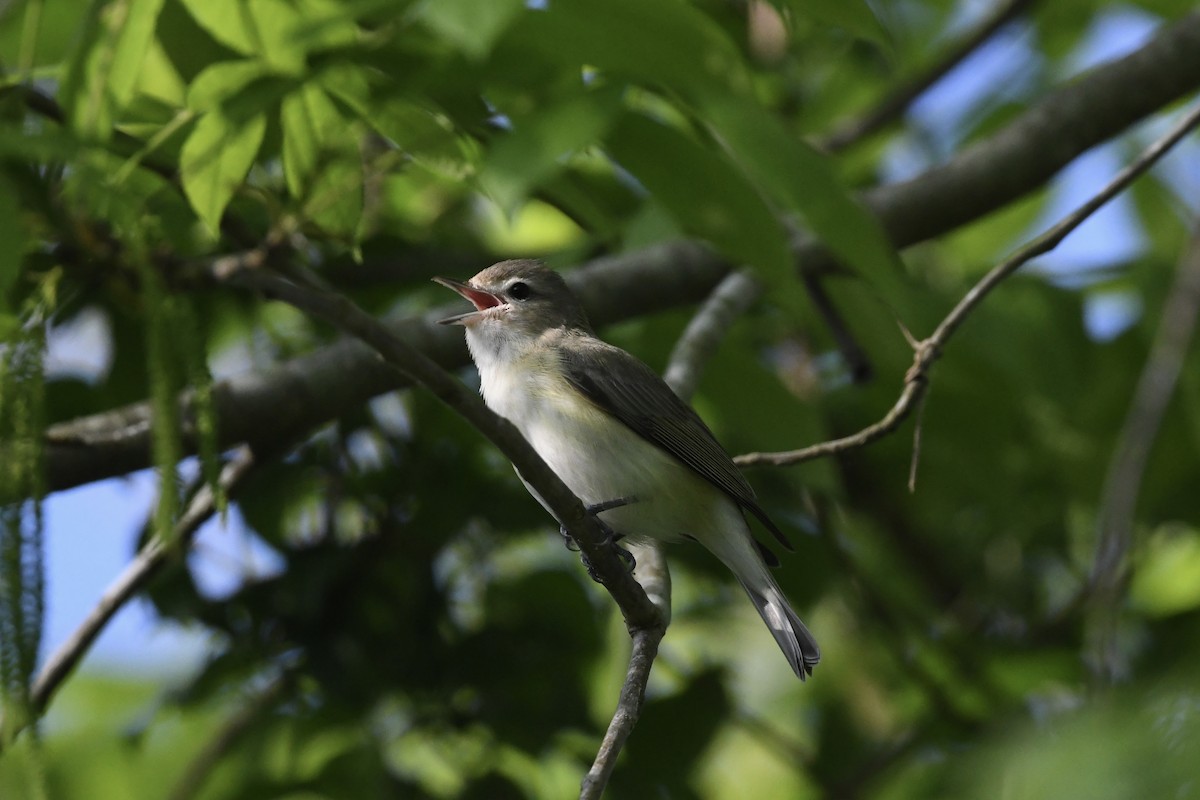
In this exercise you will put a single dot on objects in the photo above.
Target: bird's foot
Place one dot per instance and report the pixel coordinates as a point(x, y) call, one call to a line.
point(611, 537)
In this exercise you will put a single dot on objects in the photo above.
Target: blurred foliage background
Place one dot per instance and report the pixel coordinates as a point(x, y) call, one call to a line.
point(426, 633)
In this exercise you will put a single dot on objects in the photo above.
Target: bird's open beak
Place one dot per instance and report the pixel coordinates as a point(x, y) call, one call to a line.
point(480, 299)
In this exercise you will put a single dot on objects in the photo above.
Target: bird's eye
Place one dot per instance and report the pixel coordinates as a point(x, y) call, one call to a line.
point(519, 291)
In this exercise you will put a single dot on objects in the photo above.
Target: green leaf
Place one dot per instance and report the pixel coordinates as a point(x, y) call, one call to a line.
point(350, 84)
point(215, 159)
point(28, 38)
point(538, 144)
point(10, 325)
point(854, 16)
point(311, 124)
point(326, 24)
point(335, 201)
point(321, 161)
point(101, 80)
point(708, 196)
point(133, 43)
point(266, 29)
point(417, 130)
point(1167, 580)
point(668, 43)
point(472, 25)
point(164, 377)
point(803, 180)
point(222, 81)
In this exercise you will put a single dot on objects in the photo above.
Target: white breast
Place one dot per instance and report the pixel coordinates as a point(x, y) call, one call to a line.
point(597, 456)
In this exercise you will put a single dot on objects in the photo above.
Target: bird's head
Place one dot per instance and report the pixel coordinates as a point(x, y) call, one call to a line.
point(515, 300)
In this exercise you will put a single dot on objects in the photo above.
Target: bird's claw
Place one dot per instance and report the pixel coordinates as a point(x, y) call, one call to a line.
point(610, 537)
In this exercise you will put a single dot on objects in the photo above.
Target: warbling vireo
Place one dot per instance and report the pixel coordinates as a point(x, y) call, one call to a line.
point(612, 428)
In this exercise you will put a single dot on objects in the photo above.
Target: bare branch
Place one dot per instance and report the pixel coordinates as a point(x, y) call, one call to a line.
point(928, 350)
point(732, 297)
point(637, 609)
point(277, 403)
point(1046, 137)
point(145, 565)
point(642, 618)
point(858, 365)
point(896, 102)
point(633, 694)
point(1118, 503)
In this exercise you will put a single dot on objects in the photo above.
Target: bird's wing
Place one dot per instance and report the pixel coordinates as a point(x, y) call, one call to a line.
point(629, 390)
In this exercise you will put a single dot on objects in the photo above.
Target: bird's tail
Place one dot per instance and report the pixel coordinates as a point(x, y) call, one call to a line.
point(797, 644)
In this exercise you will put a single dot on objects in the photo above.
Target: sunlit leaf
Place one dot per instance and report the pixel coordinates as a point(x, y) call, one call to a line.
point(223, 80)
point(537, 146)
point(27, 33)
point(262, 28)
point(102, 78)
point(708, 196)
point(335, 200)
point(215, 160)
point(321, 162)
point(473, 25)
point(1167, 577)
point(311, 124)
point(801, 179)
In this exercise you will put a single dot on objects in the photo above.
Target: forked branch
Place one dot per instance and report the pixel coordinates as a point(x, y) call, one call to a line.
point(927, 351)
point(732, 297)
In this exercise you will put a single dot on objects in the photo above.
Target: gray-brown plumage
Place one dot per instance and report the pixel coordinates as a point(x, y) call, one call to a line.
point(611, 428)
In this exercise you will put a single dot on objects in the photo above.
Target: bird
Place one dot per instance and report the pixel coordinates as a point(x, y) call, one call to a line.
point(635, 454)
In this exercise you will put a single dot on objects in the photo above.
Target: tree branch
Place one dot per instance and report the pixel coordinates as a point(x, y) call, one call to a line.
point(633, 694)
point(696, 346)
point(272, 404)
point(637, 609)
point(929, 350)
point(896, 102)
point(146, 564)
point(733, 297)
point(1046, 137)
point(149, 560)
point(1118, 503)
point(642, 618)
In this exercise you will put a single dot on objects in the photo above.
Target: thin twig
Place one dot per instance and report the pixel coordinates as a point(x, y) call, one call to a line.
point(696, 346)
point(897, 101)
point(124, 144)
point(1118, 503)
point(144, 566)
point(732, 297)
point(633, 694)
point(339, 311)
point(148, 561)
point(858, 364)
point(916, 447)
point(927, 351)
